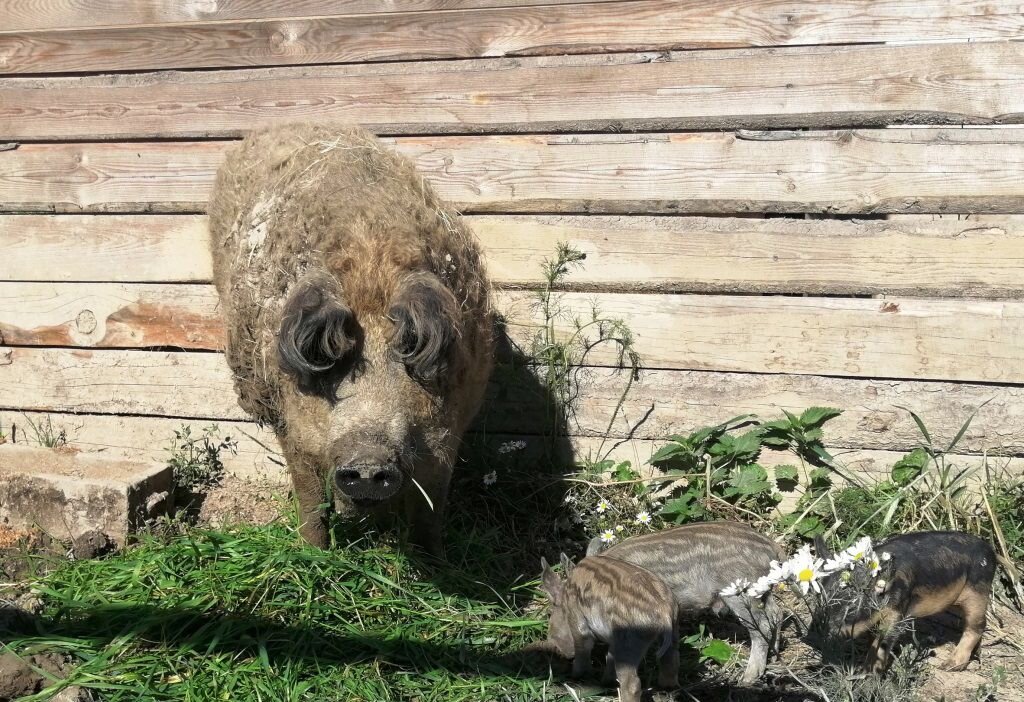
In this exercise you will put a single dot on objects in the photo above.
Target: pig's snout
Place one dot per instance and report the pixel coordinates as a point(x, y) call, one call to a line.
point(369, 481)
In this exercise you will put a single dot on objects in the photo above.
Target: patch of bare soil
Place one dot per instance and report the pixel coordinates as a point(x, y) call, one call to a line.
point(237, 501)
point(20, 677)
point(25, 551)
point(997, 672)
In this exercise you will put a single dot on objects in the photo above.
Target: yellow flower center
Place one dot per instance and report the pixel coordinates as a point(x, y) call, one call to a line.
point(805, 575)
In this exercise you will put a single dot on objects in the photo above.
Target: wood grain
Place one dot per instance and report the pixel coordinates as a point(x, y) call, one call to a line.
point(110, 316)
point(819, 87)
point(258, 457)
point(976, 340)
point(650, 25)
point(918, 257)
point(129, 248)
point(855, 172)
point(20, 15)
point(195, 385)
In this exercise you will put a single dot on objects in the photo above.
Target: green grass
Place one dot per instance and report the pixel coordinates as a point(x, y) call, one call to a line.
point(250, 613)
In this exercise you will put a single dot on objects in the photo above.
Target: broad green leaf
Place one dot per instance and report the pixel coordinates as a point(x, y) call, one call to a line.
point(814, 417)
point(718, 651)
point(750, 479)
point(909, 467)
point(786, 477)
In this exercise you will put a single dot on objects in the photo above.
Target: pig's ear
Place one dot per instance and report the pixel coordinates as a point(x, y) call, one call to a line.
point(425, 314)
point(317, 333)
point(566, 564)
point(550, 583)
point(821, 549)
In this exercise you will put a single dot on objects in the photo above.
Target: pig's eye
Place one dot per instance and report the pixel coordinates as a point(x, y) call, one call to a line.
point(318, 337)
point(424, 331)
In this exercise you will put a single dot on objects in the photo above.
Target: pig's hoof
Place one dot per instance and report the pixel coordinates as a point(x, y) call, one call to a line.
point(954, 665)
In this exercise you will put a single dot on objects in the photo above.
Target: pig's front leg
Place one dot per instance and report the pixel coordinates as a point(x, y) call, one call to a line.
point(425, 505)
point(311, 495)
point(583, 645)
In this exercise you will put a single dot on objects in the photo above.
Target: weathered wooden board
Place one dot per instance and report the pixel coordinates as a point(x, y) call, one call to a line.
point(521, 30)
point(19, 15)
point(861, 171)
point(112, 315)
point(199, 386)
point(128, 248)
point(920, 257)
point(822, 87)
point(258, 457)
point(964, 340)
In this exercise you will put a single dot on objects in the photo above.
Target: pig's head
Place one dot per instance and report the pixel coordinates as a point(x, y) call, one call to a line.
point(367, 404)
point(559, 633)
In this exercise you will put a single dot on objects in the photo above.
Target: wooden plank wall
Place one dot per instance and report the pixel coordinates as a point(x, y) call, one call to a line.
point(791, 204)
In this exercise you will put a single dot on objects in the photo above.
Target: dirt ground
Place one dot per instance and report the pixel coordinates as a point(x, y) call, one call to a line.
point(241, 501)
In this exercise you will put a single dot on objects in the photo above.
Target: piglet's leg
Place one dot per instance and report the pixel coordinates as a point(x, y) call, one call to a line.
point(629, 680)
point(628, 647)
point(609, 669)
point(668, 664)
point(583, 646)
point(878, 656)
point(973, 606)
point(752, 614)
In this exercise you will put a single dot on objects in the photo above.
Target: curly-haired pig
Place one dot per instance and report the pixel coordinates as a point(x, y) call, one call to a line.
point(357, 317)
point(603, 599)
point(928, 572)
point(700, 560)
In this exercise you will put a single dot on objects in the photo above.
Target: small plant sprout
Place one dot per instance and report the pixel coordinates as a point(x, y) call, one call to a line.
point(607, 536)
point(619, 528)
point(491, 478)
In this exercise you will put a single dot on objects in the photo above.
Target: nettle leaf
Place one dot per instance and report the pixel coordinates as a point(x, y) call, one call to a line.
point(718, 651)
point(910, 466)
point(666, 452)
point(750, 479)
point(624, 471)
point(821, 479)
point(808, 526)
point(786, 477)
point(814, 417)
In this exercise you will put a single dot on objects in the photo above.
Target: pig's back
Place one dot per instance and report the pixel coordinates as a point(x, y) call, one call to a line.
point(616, 593)
point(698, 560)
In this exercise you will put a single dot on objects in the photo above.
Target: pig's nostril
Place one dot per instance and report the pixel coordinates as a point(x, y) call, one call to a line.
point(347, 475)
point(381, 477)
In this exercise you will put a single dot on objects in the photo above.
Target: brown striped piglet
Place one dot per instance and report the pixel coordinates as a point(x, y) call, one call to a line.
point(923, 574)
point(603, 599)
point(698, 561)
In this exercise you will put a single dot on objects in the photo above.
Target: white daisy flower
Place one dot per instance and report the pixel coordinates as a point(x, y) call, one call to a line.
point(735, 588)
point(643, 518)
point(805, 570)
point(763, 585)
point(607, 536)
point(491, 478)
point(619, 527)
point(603, 507)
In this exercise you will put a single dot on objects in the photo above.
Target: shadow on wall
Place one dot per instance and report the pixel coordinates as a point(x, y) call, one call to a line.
point(508, 490)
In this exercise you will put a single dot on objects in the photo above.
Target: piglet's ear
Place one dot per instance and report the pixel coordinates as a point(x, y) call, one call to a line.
point(821, 549)
point(550, 583)
point(566, 564)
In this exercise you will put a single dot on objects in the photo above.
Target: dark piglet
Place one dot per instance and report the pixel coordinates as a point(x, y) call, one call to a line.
point(930, 572)
point(608, 600)
point(698, 561)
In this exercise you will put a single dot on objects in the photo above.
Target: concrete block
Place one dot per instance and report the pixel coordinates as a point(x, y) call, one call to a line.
point(66, 493)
